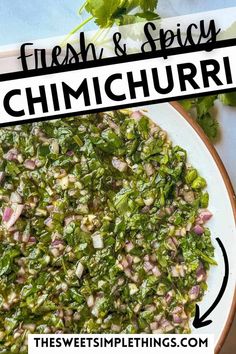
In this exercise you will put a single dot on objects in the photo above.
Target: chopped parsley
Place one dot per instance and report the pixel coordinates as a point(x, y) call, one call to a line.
point(102, 229)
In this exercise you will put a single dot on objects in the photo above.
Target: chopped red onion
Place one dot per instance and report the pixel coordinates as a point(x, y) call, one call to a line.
point(127, 272)
point(166, 325)
point(129, 246)
point(20, 280)
point(176, 242)
point(157, 318)
point(55, 148)
point(70, 153)
point(153, 258)
point(194, 292)
point(112, 124)
point(38, 163)
point(145, 209)
point(57, 243)
point(119, 164)
point(55, 252)
point(124, 263)
point(154, 130)
point(177, 318)
point(198, 229)
point(204, 216)
point(25, 237)
point(178, 232)
point(17, 210)
point(30, 164)
point(168, 297)
point(153, 326)
point(15, 198)
point(156, 271)
point(50, 208)
point(11, 155)
point(7, 214)
point(135, 277)
point(68, 220)
point(201, 274)
point(168, 210)
point(183, 315)
point(32, 239)
point(129, 259)
point(136, 115)
point(174, 272)
point(147, 266)
point(171, 244)
point(29, 326)
point(71, 218)
point(177, 309)
point(48, 222)
point(115, 328)
point(188, 196)
point(158, 331)
point(150, 308)
point(149, 169)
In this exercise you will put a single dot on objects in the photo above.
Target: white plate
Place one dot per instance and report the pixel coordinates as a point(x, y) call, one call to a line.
point(202, 155)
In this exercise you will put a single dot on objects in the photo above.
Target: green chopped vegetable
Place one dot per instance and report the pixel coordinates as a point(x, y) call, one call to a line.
point(102, 229)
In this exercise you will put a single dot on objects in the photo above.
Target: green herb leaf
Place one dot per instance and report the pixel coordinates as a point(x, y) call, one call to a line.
point(228, 99)
point(7, 259)
point(148, 5)
point(209, 125)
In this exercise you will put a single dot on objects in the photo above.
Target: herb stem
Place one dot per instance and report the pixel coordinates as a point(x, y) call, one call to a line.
point(82, 7)
point(77, 28)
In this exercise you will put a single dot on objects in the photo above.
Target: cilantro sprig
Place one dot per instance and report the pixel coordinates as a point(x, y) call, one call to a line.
point(202, 110)
point(120, 12)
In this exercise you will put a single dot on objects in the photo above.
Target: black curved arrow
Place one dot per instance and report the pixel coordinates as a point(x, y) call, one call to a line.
point(198, 321)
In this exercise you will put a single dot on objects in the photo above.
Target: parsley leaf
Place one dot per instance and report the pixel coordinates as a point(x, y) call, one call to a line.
point(103, 11)
point(209, 125)
point(228, 99)
point(200, 109)
point(148, 5)
point(204, 104)
point(107, 13)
